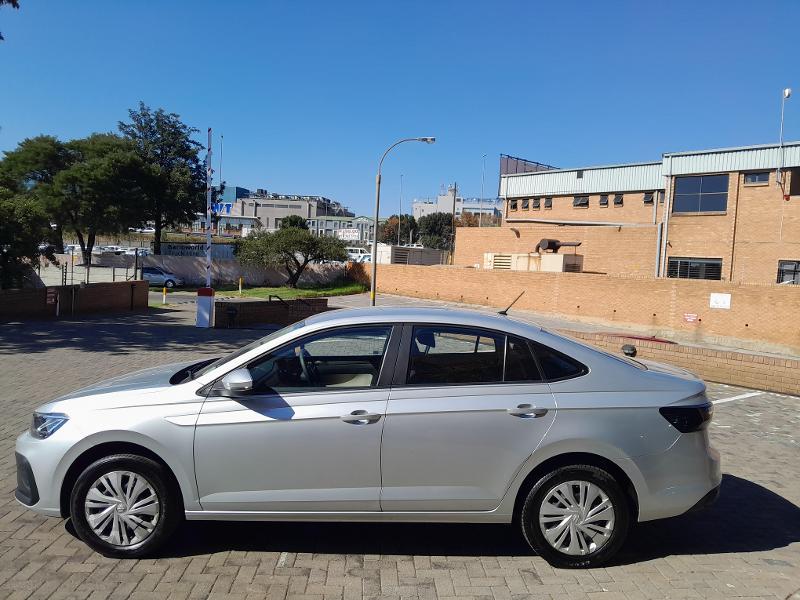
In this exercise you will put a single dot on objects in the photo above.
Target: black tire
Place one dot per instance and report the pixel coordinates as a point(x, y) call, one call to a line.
point(169, 283)
point(170, 513)
point(529, 516)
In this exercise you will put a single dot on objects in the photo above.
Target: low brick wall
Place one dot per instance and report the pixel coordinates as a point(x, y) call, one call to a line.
point(73, 300)
point(262, 312)
point(746, 369)
point(761, 317)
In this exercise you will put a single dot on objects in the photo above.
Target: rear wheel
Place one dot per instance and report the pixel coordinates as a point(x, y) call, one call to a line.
point(576, 516)
point(123, 506)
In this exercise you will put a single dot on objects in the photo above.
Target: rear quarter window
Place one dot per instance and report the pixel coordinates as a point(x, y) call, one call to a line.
point(557, 366)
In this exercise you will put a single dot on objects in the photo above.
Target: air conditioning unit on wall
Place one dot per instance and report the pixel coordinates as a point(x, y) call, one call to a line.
point(546, 262)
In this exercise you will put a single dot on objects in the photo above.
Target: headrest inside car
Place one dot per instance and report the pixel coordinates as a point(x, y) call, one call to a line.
point(425, 338)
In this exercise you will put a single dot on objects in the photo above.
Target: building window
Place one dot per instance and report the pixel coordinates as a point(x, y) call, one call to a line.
point(537, 203)
point(761, 178)
point(695, 268)
point(661, 196)
point(648, 197)
point(604, 200)
point(579, 174)
point(580, 202)
point(704, 193)
point(525, 204)
point(617, 199)
point(789, 272)
point(548, 203)
point(512, 205)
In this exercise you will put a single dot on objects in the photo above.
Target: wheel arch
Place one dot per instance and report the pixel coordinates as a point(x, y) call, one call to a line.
point(87, 457)
point(577, 458)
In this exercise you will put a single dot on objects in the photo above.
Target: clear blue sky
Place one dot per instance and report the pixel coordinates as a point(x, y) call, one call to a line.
point(309, 94)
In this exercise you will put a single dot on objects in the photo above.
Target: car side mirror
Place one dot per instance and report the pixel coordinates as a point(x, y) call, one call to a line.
point(238, 382)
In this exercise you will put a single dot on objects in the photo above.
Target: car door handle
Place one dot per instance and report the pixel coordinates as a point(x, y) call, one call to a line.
point(360, 417)
point(527, 410)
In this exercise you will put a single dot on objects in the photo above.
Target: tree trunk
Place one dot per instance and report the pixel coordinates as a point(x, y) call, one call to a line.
point(58, 238)
point(157, 236)
point(82, 242)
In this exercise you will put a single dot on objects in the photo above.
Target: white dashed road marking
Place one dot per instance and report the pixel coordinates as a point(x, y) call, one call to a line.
point(739, 397)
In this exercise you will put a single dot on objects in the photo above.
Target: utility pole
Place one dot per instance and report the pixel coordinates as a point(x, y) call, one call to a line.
point(453, 226)
point(400, 211)
point(480, 210)
point(209, 176)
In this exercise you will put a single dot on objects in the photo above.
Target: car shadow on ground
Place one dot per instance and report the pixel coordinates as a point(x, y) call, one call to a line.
point(719, 529)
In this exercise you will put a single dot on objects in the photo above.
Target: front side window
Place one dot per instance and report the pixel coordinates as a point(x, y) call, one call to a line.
point(694, 268)
point(789, 272)
point(454, 355)
point(348, 357)
point(704, 193)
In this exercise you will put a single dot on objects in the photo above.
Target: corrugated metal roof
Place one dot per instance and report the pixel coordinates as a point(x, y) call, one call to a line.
point(732, 159)
point(595, 180)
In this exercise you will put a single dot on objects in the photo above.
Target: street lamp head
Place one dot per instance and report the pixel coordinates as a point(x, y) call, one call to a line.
point(787, 92)
point(427, 140)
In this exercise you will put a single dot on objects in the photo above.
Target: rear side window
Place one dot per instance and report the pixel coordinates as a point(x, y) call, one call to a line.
point(520, 364)
point(557, 366)
point(455, 355)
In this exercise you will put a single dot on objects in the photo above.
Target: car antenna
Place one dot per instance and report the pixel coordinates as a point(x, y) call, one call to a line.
point(504, 312)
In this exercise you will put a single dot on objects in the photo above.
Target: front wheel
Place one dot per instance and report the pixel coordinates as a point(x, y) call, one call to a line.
point(576, 516)
point(122, 506)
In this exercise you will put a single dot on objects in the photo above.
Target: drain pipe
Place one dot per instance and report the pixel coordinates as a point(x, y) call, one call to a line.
point(667, 211)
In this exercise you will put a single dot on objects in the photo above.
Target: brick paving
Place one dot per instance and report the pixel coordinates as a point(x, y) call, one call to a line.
point(745, 546)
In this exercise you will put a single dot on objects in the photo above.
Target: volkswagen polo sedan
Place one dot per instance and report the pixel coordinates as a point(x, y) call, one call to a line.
point(382, 414)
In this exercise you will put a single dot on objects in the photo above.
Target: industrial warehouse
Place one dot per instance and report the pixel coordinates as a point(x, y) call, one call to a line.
point(730, 214)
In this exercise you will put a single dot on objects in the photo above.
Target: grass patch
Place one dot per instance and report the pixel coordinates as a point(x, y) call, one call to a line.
point(336, 288)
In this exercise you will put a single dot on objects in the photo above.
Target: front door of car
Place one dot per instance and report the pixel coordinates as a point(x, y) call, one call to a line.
point(467, 408)
point(307, 438)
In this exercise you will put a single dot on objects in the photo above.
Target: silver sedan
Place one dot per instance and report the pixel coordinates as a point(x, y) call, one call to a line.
point(387, 414)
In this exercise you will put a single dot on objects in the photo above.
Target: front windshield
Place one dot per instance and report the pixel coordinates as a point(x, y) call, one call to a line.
point(244, 349)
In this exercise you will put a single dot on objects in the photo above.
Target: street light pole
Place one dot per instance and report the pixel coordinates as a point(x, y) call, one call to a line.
point(373, 286)
point(400, 209)
point(480, 210)
point(787, 92)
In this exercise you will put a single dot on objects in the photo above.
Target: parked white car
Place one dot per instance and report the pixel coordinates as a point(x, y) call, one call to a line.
point(356, 254)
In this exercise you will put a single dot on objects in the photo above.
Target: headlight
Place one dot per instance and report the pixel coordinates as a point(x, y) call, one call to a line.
point(46, 424)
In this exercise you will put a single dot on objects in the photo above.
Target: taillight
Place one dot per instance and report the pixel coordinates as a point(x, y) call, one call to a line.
point(688, 418)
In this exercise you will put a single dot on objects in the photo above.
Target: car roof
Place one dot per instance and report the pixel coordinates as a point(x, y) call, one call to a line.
point(427, 314)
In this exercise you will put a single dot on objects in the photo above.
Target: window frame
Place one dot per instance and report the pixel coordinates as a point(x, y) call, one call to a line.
point(603, 201)
point(512, 205)
point(755, 183)
point(404, 356)
point(536, 204)
point(580, 201)
point(697, 259)
point(796, 270)
point(619, 200)
point(649, 198)
point(548, 202)
point(525, 204)
point(384, 375)
point(699, 194)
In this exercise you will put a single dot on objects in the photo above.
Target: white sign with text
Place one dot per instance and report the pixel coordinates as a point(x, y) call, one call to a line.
point(720, 301)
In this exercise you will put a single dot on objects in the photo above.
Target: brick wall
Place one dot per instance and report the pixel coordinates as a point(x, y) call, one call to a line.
point(91, 298)
point(734, 368)
point(633, 209)
point(259, 312)
point(761, 317)
point(615, 250)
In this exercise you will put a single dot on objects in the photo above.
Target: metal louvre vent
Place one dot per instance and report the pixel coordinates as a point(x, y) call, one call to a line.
point(694, 268)
point(502, 261)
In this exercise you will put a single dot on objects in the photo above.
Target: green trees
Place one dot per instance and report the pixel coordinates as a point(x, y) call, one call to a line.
point(294, 221)
point(387, 233)
point(101, 191)
point(23, 226)
point(291, 248)
point(176, 186)
point(436, 230)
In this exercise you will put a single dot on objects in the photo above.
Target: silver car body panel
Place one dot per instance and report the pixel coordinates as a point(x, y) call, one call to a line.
point(448, 453)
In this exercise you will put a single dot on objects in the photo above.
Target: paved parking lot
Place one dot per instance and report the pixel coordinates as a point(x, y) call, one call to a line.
point(746, 545)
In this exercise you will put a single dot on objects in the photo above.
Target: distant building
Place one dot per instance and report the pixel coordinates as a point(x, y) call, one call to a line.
point(350, 229)
point(270, 208)
point(444, 203)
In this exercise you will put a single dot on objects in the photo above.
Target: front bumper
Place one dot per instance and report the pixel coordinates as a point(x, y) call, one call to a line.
point(27, 492)
point(38, 474)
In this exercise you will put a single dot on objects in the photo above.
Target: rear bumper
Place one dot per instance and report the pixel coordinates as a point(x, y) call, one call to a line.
point(685, 477)
point(706, 500)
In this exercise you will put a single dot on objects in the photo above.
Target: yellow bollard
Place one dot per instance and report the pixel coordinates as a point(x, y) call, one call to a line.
point(164, 295)
point(240, 286)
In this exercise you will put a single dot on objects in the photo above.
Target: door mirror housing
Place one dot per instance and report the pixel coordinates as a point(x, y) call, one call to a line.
point(238, 382)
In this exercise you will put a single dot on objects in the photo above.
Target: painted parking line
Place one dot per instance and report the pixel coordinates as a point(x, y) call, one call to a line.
point(739, 397)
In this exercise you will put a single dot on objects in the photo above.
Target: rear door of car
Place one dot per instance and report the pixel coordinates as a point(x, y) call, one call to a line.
point(467, 407)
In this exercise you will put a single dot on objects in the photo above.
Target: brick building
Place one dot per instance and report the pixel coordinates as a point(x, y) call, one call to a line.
point(731, 214)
